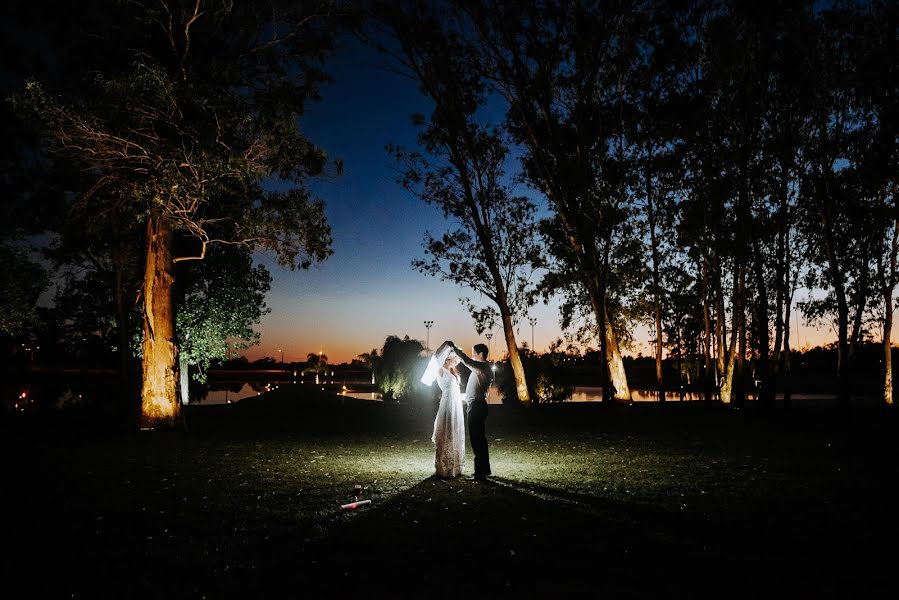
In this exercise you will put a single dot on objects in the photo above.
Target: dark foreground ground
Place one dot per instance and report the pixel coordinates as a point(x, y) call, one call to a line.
point(641, 501)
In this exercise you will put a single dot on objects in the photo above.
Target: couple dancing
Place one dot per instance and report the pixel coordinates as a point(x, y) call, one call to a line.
point(449, 425)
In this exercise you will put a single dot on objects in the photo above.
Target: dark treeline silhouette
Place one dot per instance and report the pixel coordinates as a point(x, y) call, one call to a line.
point(710, 167)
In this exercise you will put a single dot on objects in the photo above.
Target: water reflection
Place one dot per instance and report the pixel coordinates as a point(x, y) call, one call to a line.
point(594, 394)
point(54, 394)
point(228, 392)
point(78, 392)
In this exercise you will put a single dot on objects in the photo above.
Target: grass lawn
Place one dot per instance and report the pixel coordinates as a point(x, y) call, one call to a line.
point(640, 501)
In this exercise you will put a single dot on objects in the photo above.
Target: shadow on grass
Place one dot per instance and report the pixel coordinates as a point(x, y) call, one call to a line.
point(506, 538)
point(99, 518)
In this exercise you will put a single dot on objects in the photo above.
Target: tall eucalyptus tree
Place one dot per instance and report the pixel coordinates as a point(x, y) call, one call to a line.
point(493, 247)
point(183, 110)
point(561, 68)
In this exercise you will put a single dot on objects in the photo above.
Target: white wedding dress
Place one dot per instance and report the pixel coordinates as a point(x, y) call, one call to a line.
point(449, 427)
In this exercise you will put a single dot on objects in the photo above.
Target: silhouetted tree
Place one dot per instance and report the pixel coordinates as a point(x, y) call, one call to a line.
point(493, 248)
point(560, 69)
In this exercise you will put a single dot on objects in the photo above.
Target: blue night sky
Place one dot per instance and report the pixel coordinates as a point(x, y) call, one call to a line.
point(368, 289)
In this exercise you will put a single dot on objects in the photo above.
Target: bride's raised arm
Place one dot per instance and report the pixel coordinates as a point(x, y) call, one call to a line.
point(435, 363)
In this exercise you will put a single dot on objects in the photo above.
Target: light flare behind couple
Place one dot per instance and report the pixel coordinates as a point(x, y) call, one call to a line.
point(449, 425)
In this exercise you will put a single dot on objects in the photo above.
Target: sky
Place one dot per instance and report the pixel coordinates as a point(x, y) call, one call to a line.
point(368, 290)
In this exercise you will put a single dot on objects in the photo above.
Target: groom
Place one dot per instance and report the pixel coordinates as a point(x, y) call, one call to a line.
point(476, 400)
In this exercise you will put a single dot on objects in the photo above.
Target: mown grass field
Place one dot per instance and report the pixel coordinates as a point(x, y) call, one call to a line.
point(640, 501)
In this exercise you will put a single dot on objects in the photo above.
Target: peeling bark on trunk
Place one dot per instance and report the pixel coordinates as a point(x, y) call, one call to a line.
point(184, 376)
point(727, 380)
point(616, 366)
point(521, 384)
point(720, 333)
point(159, 402)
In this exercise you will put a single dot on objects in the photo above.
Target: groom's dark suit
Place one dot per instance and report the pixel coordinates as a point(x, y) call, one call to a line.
point(476, 400)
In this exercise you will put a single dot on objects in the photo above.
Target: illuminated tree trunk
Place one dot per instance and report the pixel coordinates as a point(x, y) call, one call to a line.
point(889, 283)
point(727, 379)
point(159, 401)
point(521, 384)
point(887, 349)
point(720, 330)
point(616, 365)
point(184, 375)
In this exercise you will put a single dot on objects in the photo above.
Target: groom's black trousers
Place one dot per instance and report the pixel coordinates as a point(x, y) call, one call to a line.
point(477, 432)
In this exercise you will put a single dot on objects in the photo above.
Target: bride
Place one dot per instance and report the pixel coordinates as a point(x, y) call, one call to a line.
point(449, 425)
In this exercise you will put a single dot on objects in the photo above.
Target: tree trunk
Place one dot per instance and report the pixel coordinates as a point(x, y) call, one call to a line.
point(836, 277)
point(739, 384)
point(887, 348)
point(159, 401)
point(707, 330)
point(605, 370)
point(617, 374)
point(656, 276)
point(720, 333)
point(123, 331)
point(788, 305)
point(521, 383)
point(184, 377)
point(727, 382)
point(763, 371)
point(889, 283)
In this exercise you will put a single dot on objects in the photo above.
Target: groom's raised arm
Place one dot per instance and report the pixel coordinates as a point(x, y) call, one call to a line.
point(472, 364)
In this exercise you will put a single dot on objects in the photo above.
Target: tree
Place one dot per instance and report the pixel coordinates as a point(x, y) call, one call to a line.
point(188, 110)
point(844, 176)
point(560, 70)
point(219, 301)
point(370, 361)
point(493, 248)
point(317, 363)
point(398, 369)
point(22, 280)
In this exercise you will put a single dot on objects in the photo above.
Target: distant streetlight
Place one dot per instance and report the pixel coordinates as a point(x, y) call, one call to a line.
point(428, 325)
point(282, 355)
point(533, 321)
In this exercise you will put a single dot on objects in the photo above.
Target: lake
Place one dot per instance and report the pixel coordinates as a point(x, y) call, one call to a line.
point(239, 390)
point(63, 393)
